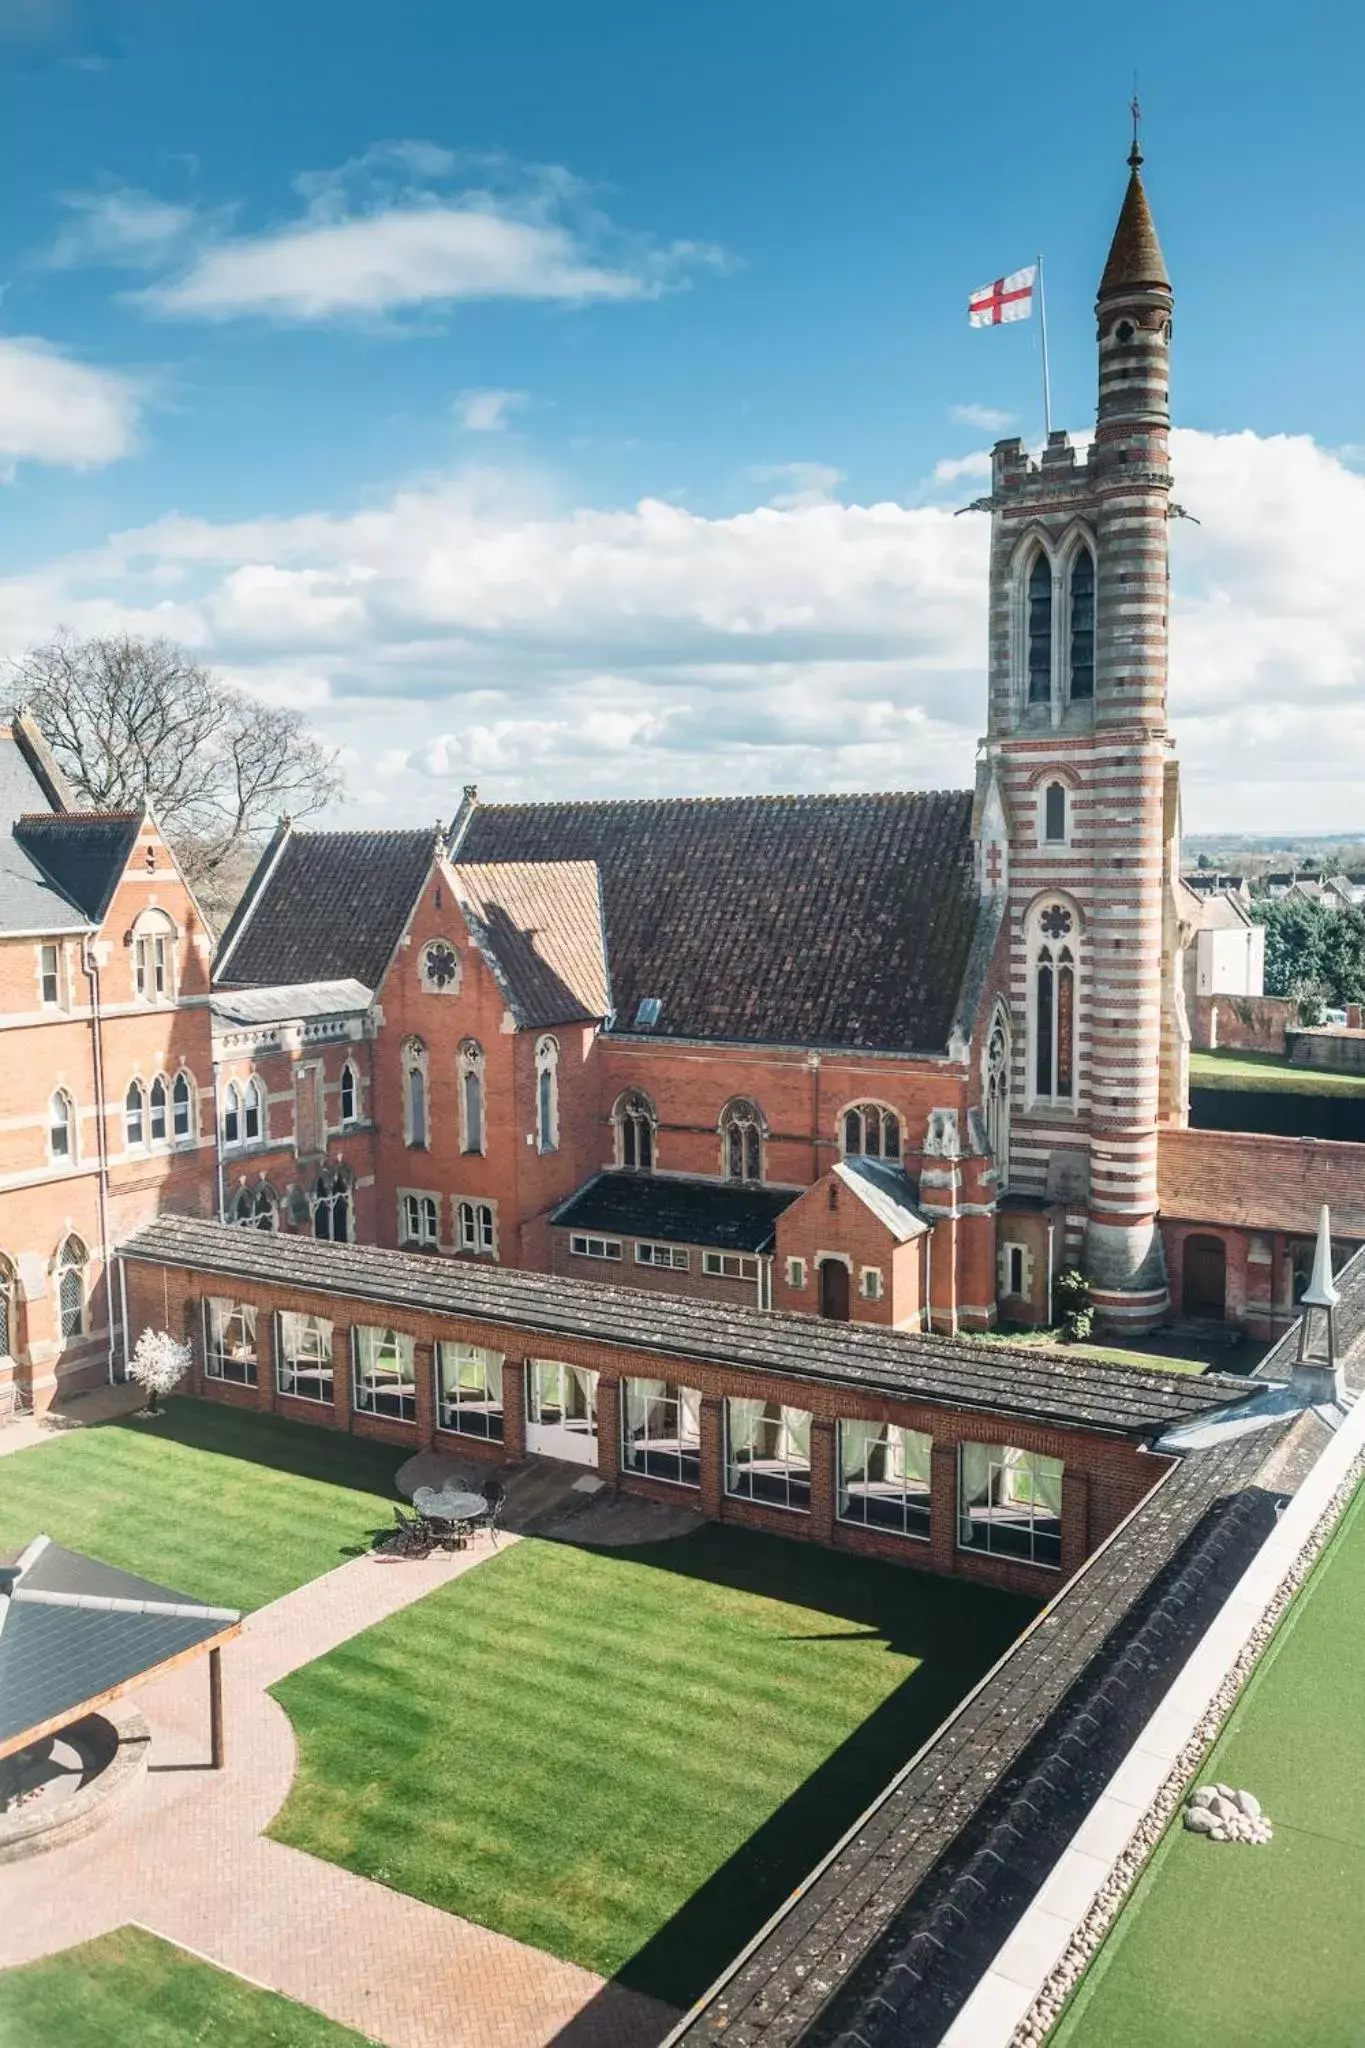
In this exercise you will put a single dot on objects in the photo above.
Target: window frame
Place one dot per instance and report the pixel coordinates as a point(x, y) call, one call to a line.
point(743, 1135)
point(672, 1456)
point(878, 1504)
point(476, 1222)
point(656, 1252)
point(320, 1375)
point(482, 1415)
point(135, 1116)
point(396, 1399)
point(1001, 1538)
point(718, 1265)
point(255, 1208)
point(73, 1266)
point(635, 1130)
point(215, 1332)
point(61, 1123)
point(871, 1283)
point(349, 1076)
point(782, 1475)
point(796, 1272)
point(430, 984)
point(582, 1243)
point(424, 1233)
point(182, 1097)
point(52, 975)
point(470, 1067)
point(547, 1094)
point(890, 1131)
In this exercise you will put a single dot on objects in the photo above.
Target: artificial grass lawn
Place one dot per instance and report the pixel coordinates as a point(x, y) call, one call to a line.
point(232, 1507)
point(1266, 1073)
point(629, 1757)
point(130, 1989)
point(1232, 1947)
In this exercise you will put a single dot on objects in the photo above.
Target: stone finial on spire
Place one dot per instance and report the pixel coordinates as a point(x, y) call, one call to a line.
point(1135, 258)
point(1322, 1290)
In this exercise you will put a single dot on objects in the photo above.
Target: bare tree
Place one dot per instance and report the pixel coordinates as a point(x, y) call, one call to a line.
point(136, 721)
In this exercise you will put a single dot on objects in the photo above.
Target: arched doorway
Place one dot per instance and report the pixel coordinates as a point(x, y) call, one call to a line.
point(1204, 1292)
point(834, 1290)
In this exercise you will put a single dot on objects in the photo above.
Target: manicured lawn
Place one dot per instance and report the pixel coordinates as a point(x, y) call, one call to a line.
point(628, 1758)
point(1222, 1945)
point(231, 1507)
point(1260, 1073)
point(1104, 1354)
point(131, 1990)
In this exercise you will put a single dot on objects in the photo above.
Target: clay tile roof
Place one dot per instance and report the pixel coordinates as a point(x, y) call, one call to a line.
point(806, 920)
point(84, 852)
point(325, 906)
point(1247, 1180)
point(1135, 257)
point(541, 925)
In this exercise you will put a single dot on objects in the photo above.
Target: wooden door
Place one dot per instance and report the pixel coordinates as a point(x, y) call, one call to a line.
point(834, 1290)
point(1206, 1278)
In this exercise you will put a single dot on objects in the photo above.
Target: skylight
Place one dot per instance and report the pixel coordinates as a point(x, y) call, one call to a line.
point(648, 1012)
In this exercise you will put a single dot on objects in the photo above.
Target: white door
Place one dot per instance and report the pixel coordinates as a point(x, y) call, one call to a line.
point(561, 1410)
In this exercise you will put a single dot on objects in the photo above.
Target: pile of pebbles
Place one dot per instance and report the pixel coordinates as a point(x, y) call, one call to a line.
point(1227, 1816)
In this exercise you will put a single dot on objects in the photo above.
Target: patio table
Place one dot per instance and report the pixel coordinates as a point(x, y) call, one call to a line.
point(449, 1503)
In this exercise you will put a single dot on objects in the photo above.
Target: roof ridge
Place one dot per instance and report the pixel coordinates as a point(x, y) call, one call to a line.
point(76, 817)
point(814, 796)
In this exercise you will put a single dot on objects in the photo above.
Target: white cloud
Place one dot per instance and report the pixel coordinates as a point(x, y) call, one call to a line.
point(485, 412)
point(471, 628)
point(54, 409)
point(803, 483)
point(988, 418)
point(409, 225)
point(956, 467)
point(121, 226)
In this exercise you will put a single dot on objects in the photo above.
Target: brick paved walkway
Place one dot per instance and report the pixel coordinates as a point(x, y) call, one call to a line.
point(187, 1859)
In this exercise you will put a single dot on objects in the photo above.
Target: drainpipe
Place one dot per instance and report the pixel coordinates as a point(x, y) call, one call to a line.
point(90, 967)
point(814, 1064)
point(123, 1306)
point(218, 1141)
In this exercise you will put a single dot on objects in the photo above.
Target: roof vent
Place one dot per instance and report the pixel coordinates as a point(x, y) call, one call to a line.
point(647, 1012)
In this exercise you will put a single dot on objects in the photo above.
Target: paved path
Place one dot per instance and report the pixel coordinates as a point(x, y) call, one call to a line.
point(186, 1858)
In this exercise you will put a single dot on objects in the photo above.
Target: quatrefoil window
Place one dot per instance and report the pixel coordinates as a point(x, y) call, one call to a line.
point(441, 966)
point(1055, 922)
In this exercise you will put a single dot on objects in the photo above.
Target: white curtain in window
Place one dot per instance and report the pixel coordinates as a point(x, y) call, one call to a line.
point(383, 1354)
point(854, 1438)
point(305, 1340)
point(796, 1436)
point(689, 1415)
point(976, 1474)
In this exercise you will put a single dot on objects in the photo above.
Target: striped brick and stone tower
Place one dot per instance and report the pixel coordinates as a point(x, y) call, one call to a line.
point(1077, 773)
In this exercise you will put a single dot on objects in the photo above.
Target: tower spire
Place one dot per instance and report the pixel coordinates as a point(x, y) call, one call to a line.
point(1135, 259)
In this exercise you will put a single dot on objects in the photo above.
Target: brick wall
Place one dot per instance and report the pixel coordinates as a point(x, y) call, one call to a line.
point(1246, 1023)
point(1106, 1476)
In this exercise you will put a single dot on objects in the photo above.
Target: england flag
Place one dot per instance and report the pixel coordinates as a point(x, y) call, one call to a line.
point(1009, 298)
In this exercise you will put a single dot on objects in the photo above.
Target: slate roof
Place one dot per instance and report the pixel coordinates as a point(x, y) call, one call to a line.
point(541, 923)
point(324, 906)
point(804, 920)
point(1116, 1400)
point(719, 1214)
point(888, 1192)
point(84, 852)
point(30, 901)
point(74, 1631)
point(249, 1006)
point(1135, 257)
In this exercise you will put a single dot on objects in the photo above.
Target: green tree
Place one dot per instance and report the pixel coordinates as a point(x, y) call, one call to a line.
point(1313, 950)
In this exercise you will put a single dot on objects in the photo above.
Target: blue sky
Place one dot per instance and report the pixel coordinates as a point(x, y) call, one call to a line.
point(375, 329)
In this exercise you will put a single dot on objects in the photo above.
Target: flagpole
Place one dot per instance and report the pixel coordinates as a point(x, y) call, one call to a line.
point(1042, 319)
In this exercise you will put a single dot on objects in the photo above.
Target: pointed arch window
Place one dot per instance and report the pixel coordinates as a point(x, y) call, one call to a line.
point(253, 1113)
point(1040, 630)
point(350, 1095)
point(1082, 684)
point(741, 1141)
point(998, 1095)
point(232, 1114)
point(61, 1127)
point(1054, 1005)
point(332, 1208)
point(1054, 814)
point(416, 1128)
point(9, 1319)
point(72, 1261)
point(182, 1107)
point(547, 1095)
point(871, 1131)
point(134, 1115)
point(255, 1208)
point(636, 1124)
point(156, 1108)
point(471, 1096)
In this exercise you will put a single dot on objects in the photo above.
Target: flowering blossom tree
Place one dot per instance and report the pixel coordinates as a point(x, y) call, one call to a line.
point(158, 1363)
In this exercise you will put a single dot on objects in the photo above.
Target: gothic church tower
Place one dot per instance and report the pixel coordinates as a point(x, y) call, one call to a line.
point(1078, 787)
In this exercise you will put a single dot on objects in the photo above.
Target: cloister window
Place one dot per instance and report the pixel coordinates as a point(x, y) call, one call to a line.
point(1040, 631)
point(156, 1105)
point(9, 1321)
point(1054, 1004)
point(182, 1107)
point(72, 1261)
point(997, 1093)
point(253, 1113)
point(385, 1381)
point(303, 1356)
point(350, 1094)
point(415, 1126)
point(471, 1064)
point(232, 1114)
point(871, 1131)
point(741, 1141)
point(547, 1095)
point(1082, 666)
point(61, 1126)
point(767, 1452)
point(230, 1341)
point(884, 1477)
point(332, 1208)
point(636, 1124)
point(469, 1390)
point(661, 1430)
point(134, 1115)
point(1054, 814)
point(1010, 1503)
point(254, 1208)
point(420, 1217)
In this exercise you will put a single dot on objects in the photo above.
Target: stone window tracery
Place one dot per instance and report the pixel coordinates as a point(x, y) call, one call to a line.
point(1040, 630)
point(440, 968)
point(741, 1140)
point(998, 1094)
point(471, 1069)
point(72, 1260)
point(871, 1131)
point(636, 1125)
point(1082, 624)
point(416, 1131)
point(547, 1095)
point(1054, 957)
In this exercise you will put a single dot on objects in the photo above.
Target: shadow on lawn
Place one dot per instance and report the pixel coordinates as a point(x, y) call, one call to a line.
point(275, 1442)
point(957, 1630)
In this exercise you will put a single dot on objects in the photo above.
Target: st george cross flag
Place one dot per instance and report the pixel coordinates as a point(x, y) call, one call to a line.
point(1009, 298)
